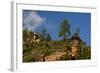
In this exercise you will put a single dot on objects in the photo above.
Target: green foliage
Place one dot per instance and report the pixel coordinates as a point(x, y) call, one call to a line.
point(48, 38)
point(85, 53)
point(44, 33)
point(41, 37)
point(45, 36)
point(64, 30)
point(77, 33)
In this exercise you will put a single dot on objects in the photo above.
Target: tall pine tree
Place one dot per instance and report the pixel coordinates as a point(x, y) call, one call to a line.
point(64, 30)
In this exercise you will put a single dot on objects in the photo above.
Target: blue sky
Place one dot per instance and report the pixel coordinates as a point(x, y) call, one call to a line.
point(50, 20)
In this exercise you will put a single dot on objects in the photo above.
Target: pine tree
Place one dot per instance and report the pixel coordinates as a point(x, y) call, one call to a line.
point(48, 38)
point(77, 33)
point(64, 29)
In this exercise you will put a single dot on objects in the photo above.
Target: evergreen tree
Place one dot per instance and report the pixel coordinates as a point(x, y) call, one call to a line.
point(77, 33)
point(64, 29)
point(44, 33)
point(48, 38)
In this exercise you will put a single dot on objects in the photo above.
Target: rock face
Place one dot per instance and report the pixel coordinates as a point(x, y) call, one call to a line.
point(74, 46)
point(61, 55)
point(55, 56)
point(37, 40)
point(36, 37)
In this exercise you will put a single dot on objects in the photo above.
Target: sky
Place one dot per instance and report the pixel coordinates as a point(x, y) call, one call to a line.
point(51, 21)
